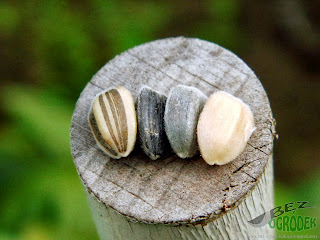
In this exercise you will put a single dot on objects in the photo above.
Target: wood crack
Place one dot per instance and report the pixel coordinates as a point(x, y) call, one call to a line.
point(259, 148)
point(94, 84)
point(205, 232)
point(196, 76)
point(250, 176)
point(142, 60)
point(242, 166)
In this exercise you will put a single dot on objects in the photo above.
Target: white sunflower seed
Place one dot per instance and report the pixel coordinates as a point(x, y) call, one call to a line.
point(225, 125)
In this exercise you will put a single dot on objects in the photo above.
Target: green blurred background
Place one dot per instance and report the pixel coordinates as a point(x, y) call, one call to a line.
point(50, 50)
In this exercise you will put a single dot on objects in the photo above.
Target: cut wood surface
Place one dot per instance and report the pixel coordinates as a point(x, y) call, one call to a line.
point(176, 192)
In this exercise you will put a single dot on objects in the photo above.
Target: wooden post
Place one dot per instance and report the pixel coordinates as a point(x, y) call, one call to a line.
point(136, 198)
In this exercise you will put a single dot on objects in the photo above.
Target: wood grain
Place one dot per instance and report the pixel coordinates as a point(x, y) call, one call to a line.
point(173, 190)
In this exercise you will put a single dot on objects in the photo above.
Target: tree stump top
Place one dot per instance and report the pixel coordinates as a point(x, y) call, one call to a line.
point(173, 190)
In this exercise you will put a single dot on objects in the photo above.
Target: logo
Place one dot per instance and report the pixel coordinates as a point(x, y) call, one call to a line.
point(292, 223)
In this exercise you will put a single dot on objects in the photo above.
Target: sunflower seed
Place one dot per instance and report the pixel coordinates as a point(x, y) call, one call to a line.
point(183, 107)
point(113, 122)
point(152, 136)
point(225, 125)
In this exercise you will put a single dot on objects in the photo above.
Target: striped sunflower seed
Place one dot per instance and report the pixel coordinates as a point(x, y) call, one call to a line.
point(113, 122)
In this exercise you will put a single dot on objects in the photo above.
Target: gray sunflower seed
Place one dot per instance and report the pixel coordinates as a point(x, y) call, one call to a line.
point(112, 120)
point(153, 139)
point(183, 107)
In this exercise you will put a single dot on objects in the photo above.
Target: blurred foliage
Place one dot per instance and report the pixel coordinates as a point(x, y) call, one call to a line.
point(50, 50)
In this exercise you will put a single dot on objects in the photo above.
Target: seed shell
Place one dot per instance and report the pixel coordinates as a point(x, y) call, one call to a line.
point(183, 107)
point(112, 120)
point(150, 108)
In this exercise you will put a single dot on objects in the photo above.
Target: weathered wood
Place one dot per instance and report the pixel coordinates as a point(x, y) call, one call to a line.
point(175, 198)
